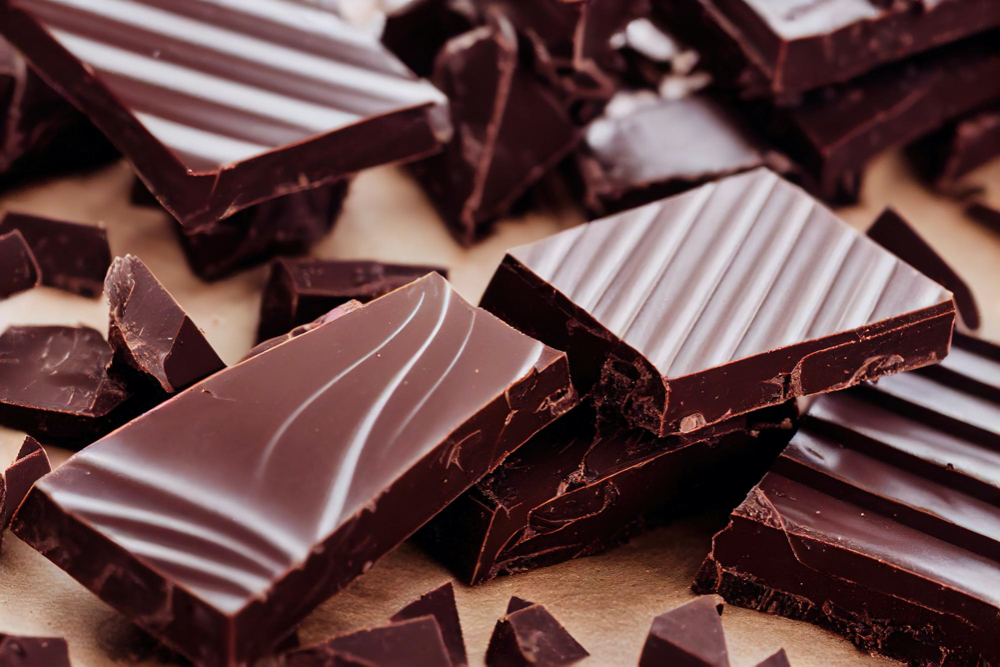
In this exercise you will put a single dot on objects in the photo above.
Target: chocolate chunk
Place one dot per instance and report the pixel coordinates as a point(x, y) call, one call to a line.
point(20, 270)
point(30, 465)
point(440, 603)
point(301, 290)
point(150, 333)
point(258, 493)
point(71, 256)
point(958, 148)
point(779, 659)
point(880, 519)
point(336, 313)
point(55, 385)
point(894, 234)
point(417, 31)
point(691, 634)
point(985, 215)
point(735, 296)
point(517, 604)
point(412, 643)
point(220, 106)
point(532, 636)
point(33, 651)
point(574, 490)
point(510, 130)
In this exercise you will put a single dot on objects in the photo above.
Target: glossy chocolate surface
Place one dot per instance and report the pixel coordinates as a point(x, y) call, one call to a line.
point(691, 634)
point(881, 518)
point(734, 296)
point(28, 467)
point(531, 635)
point(219, 519)
point(440, 603)
point(960, 147)
point(411, 643)
point(33, 651)
point(220, 105)
point(18, 268)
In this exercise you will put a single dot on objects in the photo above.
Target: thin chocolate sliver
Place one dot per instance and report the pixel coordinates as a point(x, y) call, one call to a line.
point(691, 634)
point(30, 465)
point(18, 267)
point(440, 603)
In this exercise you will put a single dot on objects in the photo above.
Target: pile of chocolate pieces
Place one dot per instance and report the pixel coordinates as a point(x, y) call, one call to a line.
point(613, 376)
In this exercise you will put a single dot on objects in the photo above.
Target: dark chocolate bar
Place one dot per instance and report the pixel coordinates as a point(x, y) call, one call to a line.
point(336, 313)
point(691, 634)
point(412, 643)
point(960, 147)
point(737, 295)
point(529, 634)
point(299, 291)
point(984, 215)
point(219, 105)
point(30, 465)
point(151, 334)
point(221, 518)
point(56, 386)
point(18, 267)
point(440, 604)
point(778, 659)
point(575, 490)
point(71, 256)
point(33, 651)
point(881, 520)
point(416, 32)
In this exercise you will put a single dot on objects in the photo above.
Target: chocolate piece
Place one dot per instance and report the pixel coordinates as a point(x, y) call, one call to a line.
point(20, 270)
point(532, 636)
point(985, 215)
point(30, 465)
point(779, 659)
point(574, 490)
point(151, 333)
point(220, 106)
point(517, 604)
point(72, 256)
point(336, 313)
point(412, 643)
point(740, 294)
point(440, 603)
point(55, 385)
point(955, 150)
point(880, 520)
point(784, 49)
point(510, 130)
point(33, 651)
point(691, 634)
point(417, 31)
point(301, 290)
point(894, 234)
point(256, 494)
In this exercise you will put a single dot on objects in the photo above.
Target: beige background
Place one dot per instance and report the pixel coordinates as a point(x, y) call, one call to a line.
point(608, 601)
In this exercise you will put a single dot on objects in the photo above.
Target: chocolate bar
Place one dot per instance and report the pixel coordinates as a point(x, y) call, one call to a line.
point(440, 604)
point(416, 32)
point(985, 215)
point(220, 106)
point(33, 651)
point(336, 313)
point(56, 385)
point(691, 634)
point(880, 520)
point(737, 295)
point(510, 130)
point(299, 291)
point(960, 147)
point(896, 235)
point(20, 270)
point(221, 518)
point(529, 634)
point(575, 490)
point(30, 465)
point(779, 659)
point(151, 334)
point(71, 256)
point(412, 642)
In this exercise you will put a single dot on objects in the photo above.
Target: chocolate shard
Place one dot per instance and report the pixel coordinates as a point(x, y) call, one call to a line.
point(71, 256)
point(532, 636)
point(897, 236)
point(958, 148)
point(336, 313)
point(517, 604)
point(985, 215)
point(20, 270)
point(261, 491)
point(880, 519)
point(419, 29)
point(221, 106)
point(56, 384)
point(738, 295)
point(510, 130)
point(779, 659)
point(440, 604)
point(150, 333)
point(33, 651)
point(414, 642)
point(31, 464)
point(691, 634)
point(299, 291)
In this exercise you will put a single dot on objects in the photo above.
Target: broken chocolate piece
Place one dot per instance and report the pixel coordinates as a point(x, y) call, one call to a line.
point(336, 313)
point(985, 215)
point(301, 290)
point(894, 234)
point(779, 659)
point(440, 603)
point(532, 636)
point(33, 651)
point(261, 491)
point(880, 519)
point(71, 256)
point(517, 604)
point(31, 464)
point(417, 31)
point(55, 385)
point(955, 150)
point(150, 333)
point(411, 643)
point(19, 270)
point(734, 296)
point(691, 634)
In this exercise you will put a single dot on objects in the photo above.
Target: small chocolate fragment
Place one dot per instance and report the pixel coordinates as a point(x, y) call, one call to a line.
point(955, 150)
point(897, 236)
point(150, 333)
point(440, 603)
point(779, 659)
point(417, 31)
point(31, 464)
point(33, 651)
point(18, 268)
point(55, 383)
point(517, 604)
point(411, 643)
point(336, 313)
point(301, 290)
point(985, 215)
point(531, 636)
point(691, 635)
point(71, 256)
